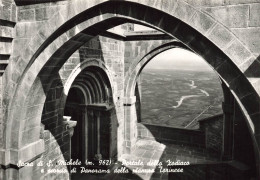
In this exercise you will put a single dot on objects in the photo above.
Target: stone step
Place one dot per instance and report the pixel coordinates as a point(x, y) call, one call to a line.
point(5, 47)
point(7, 25)
point(6, 31)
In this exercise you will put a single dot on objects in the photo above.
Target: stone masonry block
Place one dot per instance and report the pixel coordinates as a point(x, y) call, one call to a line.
point(31, 135)
point(26, 15)
point(18, 44)
point(13, 13)
point(254, 19)
point(21, 64)
point(6, 10)
point(253, 70)
point(44, 13)
point(27, 54)
point(202, 22)
point(28, 29)
point(220, 36)
point(154, 3)
point(233, 2)
point(5, 47)
point(185, 34)
point(36, 42)
point(184, 11)
point(227, 71)
point(252, 103)
point(246, 64)
point(237, 52)
point(168, 6)
point(231, 16)
point(206, 3)
point(249, 37)
point(237, 86)
point(32, 122)
point(56, 21)
point(6, 31)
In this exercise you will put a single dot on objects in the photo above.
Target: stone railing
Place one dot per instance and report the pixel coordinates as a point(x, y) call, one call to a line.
point(209, 135)
point(213, 128)
point(171, 134)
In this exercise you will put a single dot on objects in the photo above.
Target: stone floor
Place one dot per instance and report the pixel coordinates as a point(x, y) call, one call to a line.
point(150, 155)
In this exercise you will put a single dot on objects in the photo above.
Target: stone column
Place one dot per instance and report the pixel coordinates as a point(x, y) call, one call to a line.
point(130, 124)
point(70, 125)
point(85, 129)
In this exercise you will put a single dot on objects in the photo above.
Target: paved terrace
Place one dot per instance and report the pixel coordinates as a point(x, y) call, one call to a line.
point(150, 150)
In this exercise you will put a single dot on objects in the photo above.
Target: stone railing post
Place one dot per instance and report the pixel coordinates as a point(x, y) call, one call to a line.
point(70, 125)
point(130, 124)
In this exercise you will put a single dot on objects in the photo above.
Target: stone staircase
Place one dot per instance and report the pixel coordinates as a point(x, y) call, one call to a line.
point(7, 23)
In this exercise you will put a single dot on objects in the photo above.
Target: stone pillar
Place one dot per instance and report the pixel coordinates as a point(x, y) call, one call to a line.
point(130, 129)
point(12, 166)
point(70, 125)
point(83, 108)
point(102, 132)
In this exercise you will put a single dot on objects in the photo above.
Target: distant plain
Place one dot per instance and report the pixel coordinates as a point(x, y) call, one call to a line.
point(162, 90)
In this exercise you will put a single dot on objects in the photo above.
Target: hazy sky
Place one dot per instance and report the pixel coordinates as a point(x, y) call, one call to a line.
point(138, 27)
point(177, 58)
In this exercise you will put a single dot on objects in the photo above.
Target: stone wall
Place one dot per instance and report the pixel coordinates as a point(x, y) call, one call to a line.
point(56, 135)
point(136, 50)
point(57, 148)
point(209, 135)
point(240, 16)
point(171, 135)
point(213, 128)
point(7, 23)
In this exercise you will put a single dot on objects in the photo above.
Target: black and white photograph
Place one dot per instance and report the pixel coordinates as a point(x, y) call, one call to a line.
point(129, 89)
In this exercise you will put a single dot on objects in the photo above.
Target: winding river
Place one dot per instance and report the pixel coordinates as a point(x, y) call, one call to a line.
point(192, 85)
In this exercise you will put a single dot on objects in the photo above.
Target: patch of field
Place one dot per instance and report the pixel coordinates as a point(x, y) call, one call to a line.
point(162, 89)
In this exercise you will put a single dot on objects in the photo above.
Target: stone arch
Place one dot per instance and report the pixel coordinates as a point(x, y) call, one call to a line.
point(87, 93)
point(131, 82)
point(87, 113)
point(139, 63)
point(76, 71)
point(83, 90)
point(97, 16)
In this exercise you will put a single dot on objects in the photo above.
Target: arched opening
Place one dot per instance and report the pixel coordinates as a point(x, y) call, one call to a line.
point(222, 126)
point(89, 102)
point(178, 89)
point(92, 109)
point(74, 110)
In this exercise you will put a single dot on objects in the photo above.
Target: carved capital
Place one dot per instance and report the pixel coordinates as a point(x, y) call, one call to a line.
point(70, 125)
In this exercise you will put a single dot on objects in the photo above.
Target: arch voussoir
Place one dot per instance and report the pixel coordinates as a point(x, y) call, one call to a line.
point(237, 85)
point(237, 52)
point(224, 70)
point(202, 22)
